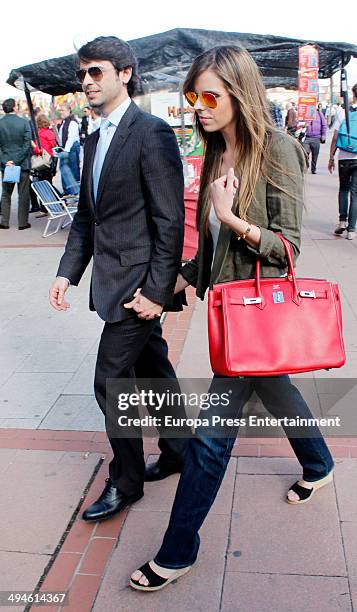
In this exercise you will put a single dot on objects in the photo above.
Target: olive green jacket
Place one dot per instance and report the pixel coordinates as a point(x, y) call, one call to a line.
point(272, 211)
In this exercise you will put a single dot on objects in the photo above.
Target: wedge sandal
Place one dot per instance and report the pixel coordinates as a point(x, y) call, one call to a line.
point(305, 493)
point(156, 582)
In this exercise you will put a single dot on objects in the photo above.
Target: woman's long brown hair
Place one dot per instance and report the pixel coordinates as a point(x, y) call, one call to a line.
point(242, 79)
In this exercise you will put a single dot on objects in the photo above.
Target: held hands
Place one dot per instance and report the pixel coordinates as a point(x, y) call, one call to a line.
point(223, 191)
point(144, 308)
point(57, 292)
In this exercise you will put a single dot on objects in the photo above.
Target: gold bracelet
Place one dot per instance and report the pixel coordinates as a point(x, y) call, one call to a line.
point(244, 235)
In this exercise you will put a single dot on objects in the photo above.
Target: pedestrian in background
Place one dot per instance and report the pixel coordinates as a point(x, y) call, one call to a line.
point(84, 130)
point(347, 169)
point(277, 116)
point(15, 150)
point(291, 119)
point(90, 123)
point(69, 156)
point(95, 117)
point(33, 198)
point(315, 135)
point(47, 142)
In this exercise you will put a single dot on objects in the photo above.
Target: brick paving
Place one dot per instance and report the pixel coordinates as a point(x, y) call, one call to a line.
point(258, 553)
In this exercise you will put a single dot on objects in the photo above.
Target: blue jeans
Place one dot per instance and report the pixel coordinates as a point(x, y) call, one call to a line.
point(347, 171)
point(70, 171)
point(207, 458)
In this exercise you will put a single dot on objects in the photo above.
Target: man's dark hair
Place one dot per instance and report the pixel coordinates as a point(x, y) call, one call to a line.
point(8, 105)
point(116, 51)
point(354, 90)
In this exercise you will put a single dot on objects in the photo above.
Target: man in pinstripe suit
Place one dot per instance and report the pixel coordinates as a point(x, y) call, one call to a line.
point(130, 220)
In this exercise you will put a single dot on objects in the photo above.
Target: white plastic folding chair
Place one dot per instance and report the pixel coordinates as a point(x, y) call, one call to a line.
point(61, 210)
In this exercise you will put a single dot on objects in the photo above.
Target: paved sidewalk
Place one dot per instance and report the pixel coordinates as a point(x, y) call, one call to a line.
point(258, 553)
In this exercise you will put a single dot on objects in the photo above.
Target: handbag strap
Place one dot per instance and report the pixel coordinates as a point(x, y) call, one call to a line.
point(291, 271)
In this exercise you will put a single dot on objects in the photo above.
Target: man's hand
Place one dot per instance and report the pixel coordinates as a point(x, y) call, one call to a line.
point(9, 163)
point(144, 308)
point(56, 294)
point(331, 165)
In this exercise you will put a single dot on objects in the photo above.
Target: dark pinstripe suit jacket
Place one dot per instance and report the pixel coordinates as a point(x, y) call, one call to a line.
point(134, 232)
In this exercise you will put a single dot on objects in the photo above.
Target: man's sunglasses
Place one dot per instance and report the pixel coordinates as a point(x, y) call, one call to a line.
point(95, 73)
point(205, 97)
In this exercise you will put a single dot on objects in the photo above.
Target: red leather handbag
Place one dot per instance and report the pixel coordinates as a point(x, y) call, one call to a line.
point(275, 326)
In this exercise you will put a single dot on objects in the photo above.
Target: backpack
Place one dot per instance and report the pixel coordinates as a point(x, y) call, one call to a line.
point(345, 142)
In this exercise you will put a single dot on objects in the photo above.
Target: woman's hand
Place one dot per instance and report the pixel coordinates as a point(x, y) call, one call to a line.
point(222, 193)
point(181, 284)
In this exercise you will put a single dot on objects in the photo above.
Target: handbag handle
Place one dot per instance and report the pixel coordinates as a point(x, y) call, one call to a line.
point(291, 273)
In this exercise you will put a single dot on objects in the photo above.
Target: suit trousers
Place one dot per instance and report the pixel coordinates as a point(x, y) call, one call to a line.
point(23, 189)
point(135, 348)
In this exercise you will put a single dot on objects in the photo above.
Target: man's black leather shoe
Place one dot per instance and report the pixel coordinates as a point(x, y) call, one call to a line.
point(160, 470)
point(111, 502)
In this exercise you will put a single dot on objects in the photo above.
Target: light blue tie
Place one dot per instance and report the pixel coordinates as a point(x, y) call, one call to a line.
point(102, 148)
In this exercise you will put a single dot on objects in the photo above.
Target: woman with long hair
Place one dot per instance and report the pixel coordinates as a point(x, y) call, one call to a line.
point(251, 189)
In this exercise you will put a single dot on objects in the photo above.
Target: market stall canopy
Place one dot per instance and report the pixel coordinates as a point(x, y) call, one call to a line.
point(165, 58)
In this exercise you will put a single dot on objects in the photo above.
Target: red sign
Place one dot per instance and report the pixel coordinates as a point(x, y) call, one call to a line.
point(307, 108)
point(308, 57)
point(308, 82)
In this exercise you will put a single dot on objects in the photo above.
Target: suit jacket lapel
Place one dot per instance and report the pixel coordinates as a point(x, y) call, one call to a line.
point(120, 136)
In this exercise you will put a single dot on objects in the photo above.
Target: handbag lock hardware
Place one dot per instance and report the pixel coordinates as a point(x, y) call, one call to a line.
point(253, 300)
point(308, 294)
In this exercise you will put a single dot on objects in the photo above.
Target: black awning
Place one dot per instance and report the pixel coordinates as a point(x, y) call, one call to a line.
point(165, 58)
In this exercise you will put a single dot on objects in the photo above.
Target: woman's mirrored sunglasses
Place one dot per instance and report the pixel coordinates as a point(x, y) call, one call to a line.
point(205, 97)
